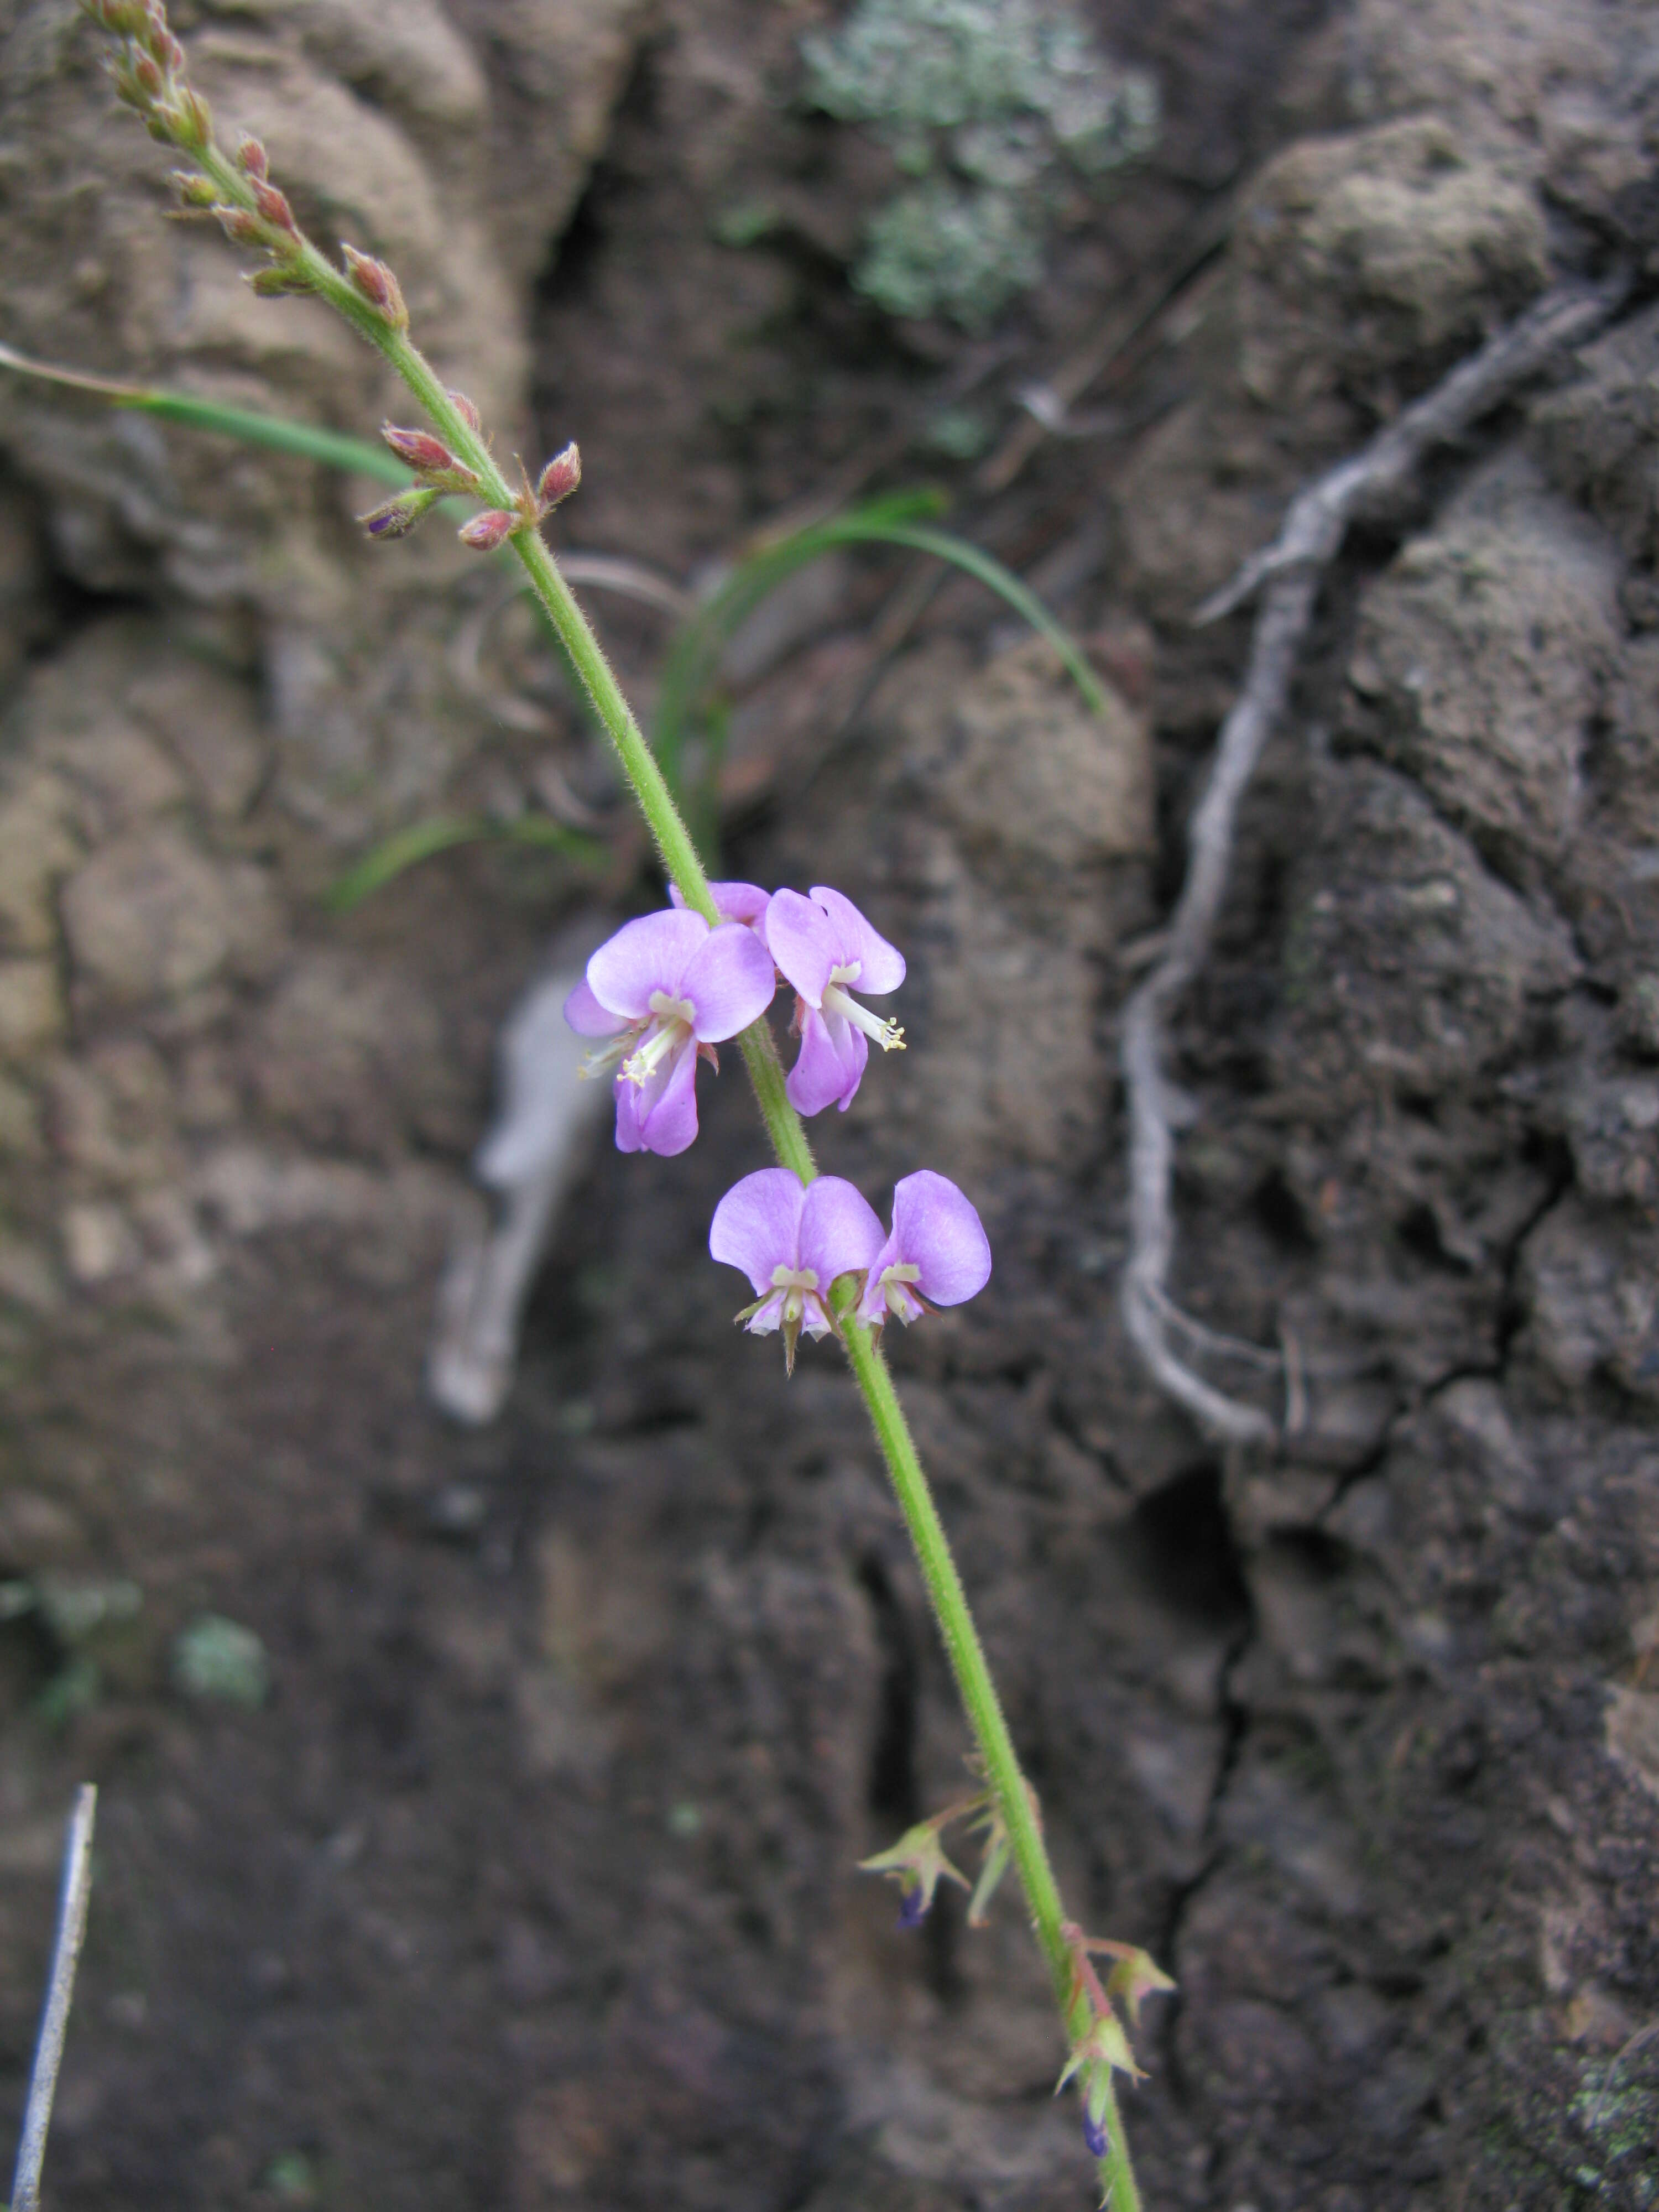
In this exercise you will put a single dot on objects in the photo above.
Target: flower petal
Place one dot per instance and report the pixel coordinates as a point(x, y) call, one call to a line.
point(830, 1065)
point(803, 942)
point(872, 1306)
point(838, 1230)
point(668, 1106)
point(743, 902)
point(588, 1018)
point(768, 1316)
point(937, 1231)
point(881, 965)
point(627, 1095)
point(730, 981)
point(651, 954)
point(756, 1226)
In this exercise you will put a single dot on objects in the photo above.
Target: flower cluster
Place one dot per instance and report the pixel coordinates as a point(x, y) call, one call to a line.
point(660, 995)
point(1104, 2048)
point(821, 946)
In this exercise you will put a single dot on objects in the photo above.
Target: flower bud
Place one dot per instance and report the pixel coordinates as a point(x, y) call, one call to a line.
point(375, 282)
point(425, 454)
point(169, 52)
point(396, 517)
point(489, 530)
point(240, 225)
point(559, 478)
point(125, 18)
point(193, 121)
point(468, 413)
point(194, 190)
point(147, 76)
point(251, 159)
point(271, 283)
point(273, 204)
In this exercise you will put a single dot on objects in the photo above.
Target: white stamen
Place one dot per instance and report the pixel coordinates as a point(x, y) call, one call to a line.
point(887, 1035)
point(676, 1017)
point(604, 1057)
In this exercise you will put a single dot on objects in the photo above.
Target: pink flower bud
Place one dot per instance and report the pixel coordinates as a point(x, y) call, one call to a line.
point(559, 478)
point(426, 455)
point(241, 226)
point(376, 283)
point(147, 76)
point(273, 204)
point(169, 52)
point(469, 414)
point(489, 530)
point(251, 159)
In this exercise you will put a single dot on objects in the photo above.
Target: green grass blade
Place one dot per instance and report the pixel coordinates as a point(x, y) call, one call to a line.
point(894, 521)
point(695, 655)
point(439, 833)
point(333, 447)
point(991, 572)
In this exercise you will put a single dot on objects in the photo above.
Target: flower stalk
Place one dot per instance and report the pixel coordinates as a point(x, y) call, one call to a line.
point(149, 76)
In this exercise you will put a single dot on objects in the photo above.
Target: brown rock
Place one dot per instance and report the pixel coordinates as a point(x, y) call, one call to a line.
point(111, 1113)
point(120, 776)
point(349, 1053)
point(149, 917)
point(1360, 256)
point(1039, 785)
point(35, 1530)
point(31, 1007)
point(1478, 663)
point(206, 720)
point(37, 847)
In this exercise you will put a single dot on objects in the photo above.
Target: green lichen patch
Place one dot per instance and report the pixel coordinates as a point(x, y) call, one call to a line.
point(990, 105)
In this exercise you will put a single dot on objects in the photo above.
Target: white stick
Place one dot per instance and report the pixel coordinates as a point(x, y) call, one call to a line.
point(1288, 572)
point(60, 1988)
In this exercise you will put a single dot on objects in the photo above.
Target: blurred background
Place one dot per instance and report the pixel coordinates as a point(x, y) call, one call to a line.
point(481, 1795)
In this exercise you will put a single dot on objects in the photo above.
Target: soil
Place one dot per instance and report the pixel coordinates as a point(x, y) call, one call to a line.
point(526, 1874)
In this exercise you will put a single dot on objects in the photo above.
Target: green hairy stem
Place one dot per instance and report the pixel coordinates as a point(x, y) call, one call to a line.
point(679, 856)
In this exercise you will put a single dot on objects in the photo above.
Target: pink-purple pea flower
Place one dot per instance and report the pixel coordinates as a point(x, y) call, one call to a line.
point(938, 1254)
point(824, 946)
point(792, 1241)
point(743, 902)
point(666, 990)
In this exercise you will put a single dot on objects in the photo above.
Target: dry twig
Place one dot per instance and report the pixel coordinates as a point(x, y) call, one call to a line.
point(1288, 572)
point(60, 1988)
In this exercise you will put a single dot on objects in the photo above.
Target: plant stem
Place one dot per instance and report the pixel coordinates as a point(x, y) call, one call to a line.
point(984, 1710)
point(789, 1143)
point(679, 855)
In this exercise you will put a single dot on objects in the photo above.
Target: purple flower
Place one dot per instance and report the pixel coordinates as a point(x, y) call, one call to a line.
point(822, 945)
point(937, 1255)
point(1095, 2135)
point(743, 902)
point(792, 1241)
point(666, 989)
